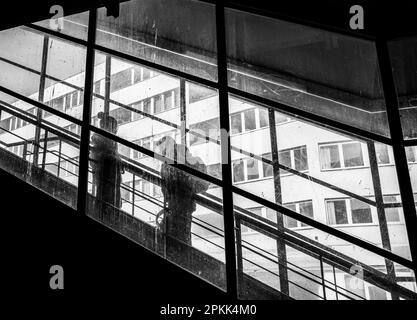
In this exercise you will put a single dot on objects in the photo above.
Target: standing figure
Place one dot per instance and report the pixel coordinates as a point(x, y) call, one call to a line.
point(107, 167)
point(179, 189)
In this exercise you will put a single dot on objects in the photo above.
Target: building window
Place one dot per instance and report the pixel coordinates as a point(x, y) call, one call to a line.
point(68, 101)
point(411, 153)
point(147, 106)
point(97, 87)
point(392, 214)
point(263, 117)
point(336, 212)
point(294, 158)
point(249, 117)
point(382, 155)
point(347, 211)
point(125, 192)
point(238, 171)
point(249, 120)
point(169, 100)
point(361, 212)
point(266, 167)
point(304, 208)
point(74, 99)
point(121, 80)
point(137, 106)
point(352, 154)
point(236, 123)
point(252, 169)
point(157, 101)
point(341, 155)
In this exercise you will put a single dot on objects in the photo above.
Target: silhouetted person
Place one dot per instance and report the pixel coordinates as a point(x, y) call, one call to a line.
point(107, 167)
point(179, 189)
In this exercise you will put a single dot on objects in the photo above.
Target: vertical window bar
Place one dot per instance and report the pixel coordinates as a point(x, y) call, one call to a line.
point(281, 250)
point(85, 132)
point(183, 112)
point(382, 220)
point(107, 78)
point(228, 212)
point(40, 99)
point(394, 122)
point(45, 146)
point(59, 157)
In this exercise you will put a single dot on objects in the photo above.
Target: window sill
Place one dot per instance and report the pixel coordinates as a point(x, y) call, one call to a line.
point(343, 169)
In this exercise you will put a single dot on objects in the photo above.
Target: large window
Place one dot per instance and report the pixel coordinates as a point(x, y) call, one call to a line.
point(304, 208)
point(347, 211)
point(248, 120)
point(294, 158)
point(341, 155)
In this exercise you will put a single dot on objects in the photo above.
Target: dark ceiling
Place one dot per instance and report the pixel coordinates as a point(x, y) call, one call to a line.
point(389, 18)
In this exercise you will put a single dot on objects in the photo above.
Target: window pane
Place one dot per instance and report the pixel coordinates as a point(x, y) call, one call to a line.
point(284, 158)
point(403, 61)
point(306, 209)
point(236, 123)
point(411, 153)
point(252, 167)
point(157, 104)
point(381, 153)
point(391, 214)
point(263, 117)
point(267, 168)
point(361, 212)
point(238, 173)
point(250, 123)
point(288, 221)
point(300, 159)
point(343, 83)
point(336, 212)
point(147, 106)
point(352, 153)
point(329, 157)
point(168, 101)
point(177, 34)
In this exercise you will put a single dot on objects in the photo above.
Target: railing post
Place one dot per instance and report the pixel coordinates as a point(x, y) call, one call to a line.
point(323, 281)
point(40, 99)
point(228, 208)
point(85, 131)
point(239, 253)
point(45, 144)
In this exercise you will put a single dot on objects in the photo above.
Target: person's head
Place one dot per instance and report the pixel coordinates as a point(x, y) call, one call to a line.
point(107, 122)
point(166, 147)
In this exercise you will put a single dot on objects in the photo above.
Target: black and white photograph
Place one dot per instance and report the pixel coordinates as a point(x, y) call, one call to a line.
point(208, 159)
